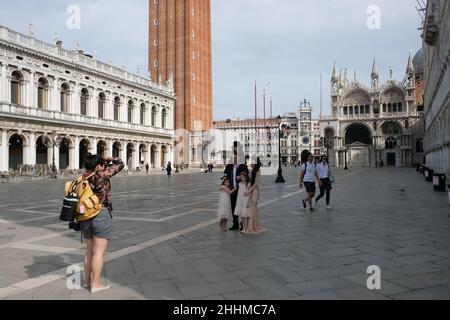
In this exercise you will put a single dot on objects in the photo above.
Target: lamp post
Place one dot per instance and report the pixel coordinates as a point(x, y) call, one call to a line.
point(54, 141)
point(281, 129)
point(345, 156)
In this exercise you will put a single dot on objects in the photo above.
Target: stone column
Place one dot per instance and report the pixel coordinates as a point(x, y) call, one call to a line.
point(3, 85)
point(93, 102)
point(4, 151)
point(109, 146)
point(30, 98)
point(55, 103)
point(123, 153)
point(109, 108)
point(75, 154)
point(75, 103)
point(93, 149)
point(31, 150)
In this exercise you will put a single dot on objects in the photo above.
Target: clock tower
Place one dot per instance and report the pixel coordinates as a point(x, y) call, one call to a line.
point(305, 128)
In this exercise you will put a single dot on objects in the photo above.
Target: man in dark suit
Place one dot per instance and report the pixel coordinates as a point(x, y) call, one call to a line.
point(233, 171)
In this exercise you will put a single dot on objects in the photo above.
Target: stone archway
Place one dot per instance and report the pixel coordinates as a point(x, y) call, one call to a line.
point(164, 159)
point(116, 149)
point(131, 150)
point(358, 143)
point(83, 151)
point(102, 148)
point(41, 150)
point(16, 150)
point(64, 152)
point(153, 154)
point(358, 132)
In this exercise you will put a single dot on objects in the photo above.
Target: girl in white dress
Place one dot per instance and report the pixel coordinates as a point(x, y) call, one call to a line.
point(242, 203)
point(224, 211)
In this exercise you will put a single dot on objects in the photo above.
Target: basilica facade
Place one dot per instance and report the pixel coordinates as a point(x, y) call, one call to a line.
point(57, 105)
point(380, 124)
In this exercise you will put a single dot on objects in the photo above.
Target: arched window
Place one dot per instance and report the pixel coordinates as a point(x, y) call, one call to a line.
point(84, 99)
point(164, 118)
point(65, 95)
point(154, 112)
point(419, 145)
point(391, 143)
point(116, 108)
point(16, 90)
point(130, 111)
point(42, 93)
point(142, 114)
point(101, 105)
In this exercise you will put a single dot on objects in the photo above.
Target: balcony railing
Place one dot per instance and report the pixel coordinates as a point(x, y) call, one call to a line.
point(31, 112)
point(74, 57)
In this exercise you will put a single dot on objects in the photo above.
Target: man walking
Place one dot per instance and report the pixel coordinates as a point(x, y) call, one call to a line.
point(233, 171)
point(308, 176)
point(147, 166)
point(323, 169)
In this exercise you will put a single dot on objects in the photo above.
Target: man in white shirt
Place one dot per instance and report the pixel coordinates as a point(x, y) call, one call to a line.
point(308, 177)
point(323, 169)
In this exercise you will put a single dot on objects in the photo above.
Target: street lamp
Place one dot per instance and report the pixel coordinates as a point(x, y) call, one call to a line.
point(54, 142)
point(281, 130)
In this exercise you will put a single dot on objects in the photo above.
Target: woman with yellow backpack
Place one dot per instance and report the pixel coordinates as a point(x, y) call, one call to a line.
point(96, 223)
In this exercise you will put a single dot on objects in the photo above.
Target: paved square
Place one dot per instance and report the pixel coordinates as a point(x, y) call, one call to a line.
point(167, 243)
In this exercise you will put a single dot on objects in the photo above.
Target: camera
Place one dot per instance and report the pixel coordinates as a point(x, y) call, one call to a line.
point(76, 226)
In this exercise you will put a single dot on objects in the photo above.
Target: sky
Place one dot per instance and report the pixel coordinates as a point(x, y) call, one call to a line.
point(283, 45)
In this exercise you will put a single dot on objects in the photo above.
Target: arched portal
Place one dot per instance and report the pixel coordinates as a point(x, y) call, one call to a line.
point(15, 152)
point(153, 153)
point(358, 133)
point(130, 153)
point(116, 149)
point(164, 159)
point(64, 154)
point(84, 150)
point(41, 150)
point(101, 148)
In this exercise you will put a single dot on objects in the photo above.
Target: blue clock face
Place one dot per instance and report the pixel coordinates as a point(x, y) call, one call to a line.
point(305, 140)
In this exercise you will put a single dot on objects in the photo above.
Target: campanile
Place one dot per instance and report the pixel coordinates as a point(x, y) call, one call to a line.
point(180, 50)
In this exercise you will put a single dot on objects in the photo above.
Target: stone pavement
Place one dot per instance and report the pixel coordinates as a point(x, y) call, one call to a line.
point(167, 244)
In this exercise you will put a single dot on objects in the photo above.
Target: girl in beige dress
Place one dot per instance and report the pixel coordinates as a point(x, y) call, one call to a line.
point(253, 225)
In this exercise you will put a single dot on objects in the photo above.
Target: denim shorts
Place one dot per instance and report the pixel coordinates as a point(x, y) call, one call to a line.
point(100, 227)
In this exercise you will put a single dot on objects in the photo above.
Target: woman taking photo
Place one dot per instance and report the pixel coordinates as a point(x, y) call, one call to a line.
point(98, 231)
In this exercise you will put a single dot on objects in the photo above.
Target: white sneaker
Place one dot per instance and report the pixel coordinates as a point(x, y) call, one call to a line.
point(96, 290)
point(329, 207)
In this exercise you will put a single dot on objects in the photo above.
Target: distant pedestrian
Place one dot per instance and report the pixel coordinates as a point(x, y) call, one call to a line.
point(147, 167)
point(308, 177)
point(224, 213)
point(169, 168)
point(323, 169)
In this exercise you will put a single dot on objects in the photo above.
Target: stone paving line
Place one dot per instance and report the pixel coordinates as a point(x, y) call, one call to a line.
point(56, 275)
point(322, 282)
point(60, 274)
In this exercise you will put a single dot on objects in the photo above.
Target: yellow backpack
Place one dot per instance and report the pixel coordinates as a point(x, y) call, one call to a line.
point(88, 205)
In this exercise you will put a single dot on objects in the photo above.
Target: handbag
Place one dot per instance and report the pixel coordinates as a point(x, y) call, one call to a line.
point(332, 178)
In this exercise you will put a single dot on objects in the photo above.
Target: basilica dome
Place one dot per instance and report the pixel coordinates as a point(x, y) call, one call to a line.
point(418, 61)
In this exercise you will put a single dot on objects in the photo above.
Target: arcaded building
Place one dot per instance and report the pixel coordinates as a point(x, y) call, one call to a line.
point(377, 124)
point(61, 104)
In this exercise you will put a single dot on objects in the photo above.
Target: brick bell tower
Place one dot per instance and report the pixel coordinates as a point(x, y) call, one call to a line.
point(180, 51)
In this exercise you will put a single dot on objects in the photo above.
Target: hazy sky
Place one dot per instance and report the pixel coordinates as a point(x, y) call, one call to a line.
point(285, 42)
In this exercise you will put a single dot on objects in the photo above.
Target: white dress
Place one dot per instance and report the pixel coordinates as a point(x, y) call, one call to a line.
point(224, 211)
point(241, 202)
